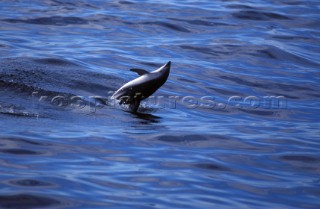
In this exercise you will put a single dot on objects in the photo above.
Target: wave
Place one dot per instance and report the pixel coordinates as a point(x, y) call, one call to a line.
point(26, 80)
point(259, 15)
point(54, 20)
point(27, 201)
point(168, 25)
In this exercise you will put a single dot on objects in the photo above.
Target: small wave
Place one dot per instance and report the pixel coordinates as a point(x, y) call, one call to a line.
point(255, 15)
point(239, 6)
point(273, 52)
point(192, 140)
point(41, 86)
point(54, 61)
point(225, 91)
point(17, 151)
point(293, 38)
point(126, 2)
point(203, 50)
point(211, 166)
point(52, 77)
point(258, 112)
point(146, 117)
point(30, 183)
point(268, 87)
point(151, 64)
point(245, 82)
point(187, 80)
point(20, 114)
point(62, 3)
point(27, 201)
point(54, 20)
point(182, 139)
point(300, 158)
point(168, 25)
point(200, 22)
point(23, 141)
point(228, 51)
point(21, 87)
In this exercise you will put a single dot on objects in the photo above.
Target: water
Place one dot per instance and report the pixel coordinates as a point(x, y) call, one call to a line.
point(222, 142)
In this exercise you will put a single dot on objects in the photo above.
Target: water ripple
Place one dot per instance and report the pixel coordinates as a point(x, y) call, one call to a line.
point(258, 15)
point(30, 183)
point(54, 20)
point(27, 201)
point(168, 25)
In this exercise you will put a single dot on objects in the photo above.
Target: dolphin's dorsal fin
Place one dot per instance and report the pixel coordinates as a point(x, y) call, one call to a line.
point(139, 71)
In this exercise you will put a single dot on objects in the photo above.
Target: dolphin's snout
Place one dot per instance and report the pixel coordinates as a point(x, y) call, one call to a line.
point(167, 66)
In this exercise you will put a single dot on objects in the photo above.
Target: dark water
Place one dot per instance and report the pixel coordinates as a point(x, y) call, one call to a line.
point(242, 130)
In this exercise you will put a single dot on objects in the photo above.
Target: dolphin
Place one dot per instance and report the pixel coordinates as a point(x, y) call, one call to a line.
point(142, 87)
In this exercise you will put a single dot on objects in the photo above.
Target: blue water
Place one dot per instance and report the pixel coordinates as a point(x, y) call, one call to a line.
point(235, 125)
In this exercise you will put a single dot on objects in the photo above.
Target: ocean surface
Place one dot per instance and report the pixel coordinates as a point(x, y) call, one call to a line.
point(236, 125)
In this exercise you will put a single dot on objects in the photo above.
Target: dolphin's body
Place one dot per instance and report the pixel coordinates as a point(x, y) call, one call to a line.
point(142, 87)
